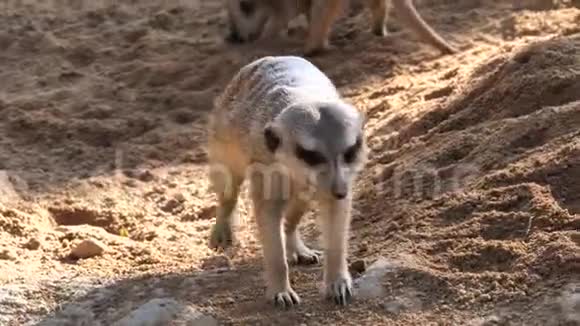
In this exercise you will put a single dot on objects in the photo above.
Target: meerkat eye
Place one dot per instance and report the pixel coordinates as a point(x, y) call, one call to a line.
point(272, 140)
point(310, 157)
point(247, 7)
point(351, 153)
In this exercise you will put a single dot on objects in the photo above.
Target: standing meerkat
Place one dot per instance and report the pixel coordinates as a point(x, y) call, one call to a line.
point(282, 124)
point(261, 19)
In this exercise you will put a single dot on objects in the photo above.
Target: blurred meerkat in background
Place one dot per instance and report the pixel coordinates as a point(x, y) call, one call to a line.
point(250, 20)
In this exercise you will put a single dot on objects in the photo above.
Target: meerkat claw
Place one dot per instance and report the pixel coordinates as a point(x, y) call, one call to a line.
point(221, 237)
point(286, 299)
point(340, 291)
point(308, 257)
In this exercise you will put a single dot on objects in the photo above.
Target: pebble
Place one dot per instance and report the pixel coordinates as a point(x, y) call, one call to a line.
point(171, 205)
point(88, 248)
point(32, 244)
point(146, 176)
point(358, 267)
point(6, 254)
point(230, 300)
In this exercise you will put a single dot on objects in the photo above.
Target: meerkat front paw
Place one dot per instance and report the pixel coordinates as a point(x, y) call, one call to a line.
point(286, 299)
point(340, 289)
point(221, 236)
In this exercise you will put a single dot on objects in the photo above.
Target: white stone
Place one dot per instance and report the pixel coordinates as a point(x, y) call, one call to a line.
point(88, 248)
point(369, 285)
point(163, 311)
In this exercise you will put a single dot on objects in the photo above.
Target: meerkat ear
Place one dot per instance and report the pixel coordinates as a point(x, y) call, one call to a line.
point(271, 138)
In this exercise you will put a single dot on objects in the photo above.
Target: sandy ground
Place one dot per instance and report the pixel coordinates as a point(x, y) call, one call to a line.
point(472, 193)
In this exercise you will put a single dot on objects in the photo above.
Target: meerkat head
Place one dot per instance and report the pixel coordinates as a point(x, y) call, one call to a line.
point(246, 19)
point(320, 144)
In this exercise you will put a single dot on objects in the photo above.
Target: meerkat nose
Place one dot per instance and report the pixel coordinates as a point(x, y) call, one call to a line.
point(338, 194)
point(234, 37)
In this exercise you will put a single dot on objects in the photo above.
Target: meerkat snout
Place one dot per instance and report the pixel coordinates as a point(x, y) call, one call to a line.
point(245, 9)
point(233, 36)
point(246, 20)
point(339, 188)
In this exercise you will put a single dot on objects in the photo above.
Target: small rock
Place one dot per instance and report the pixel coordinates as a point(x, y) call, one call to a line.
point(143, 175)
point(6, 254)
point(179, 197)
point(358, 267)
point(364, 247)
point(485, 297)
point(173, 205)
point(32, 244)
point(131, 183)
point(230, 300)
point(145, 235)
point(146, 176)
point(88, 248)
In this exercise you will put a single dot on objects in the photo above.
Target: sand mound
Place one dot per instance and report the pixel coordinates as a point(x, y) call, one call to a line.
point(486, 190)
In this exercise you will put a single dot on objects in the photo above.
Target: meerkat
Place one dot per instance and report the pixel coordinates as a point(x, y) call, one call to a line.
point(262, 19)
point(282, 124)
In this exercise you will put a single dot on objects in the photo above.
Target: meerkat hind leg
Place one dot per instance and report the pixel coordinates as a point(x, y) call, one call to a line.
point(297, 251)
point(269, 215)
point(324, 13)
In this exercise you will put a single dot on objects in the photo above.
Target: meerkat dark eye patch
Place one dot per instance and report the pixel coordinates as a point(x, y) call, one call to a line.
point(309, 157)
point(247, 7)
point(351, 153)
point(272, 140)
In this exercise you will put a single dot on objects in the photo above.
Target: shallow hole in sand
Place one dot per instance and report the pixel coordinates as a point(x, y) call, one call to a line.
point(80, 216)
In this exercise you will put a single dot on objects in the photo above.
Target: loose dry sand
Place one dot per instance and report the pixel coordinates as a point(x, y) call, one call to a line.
point(472, 193)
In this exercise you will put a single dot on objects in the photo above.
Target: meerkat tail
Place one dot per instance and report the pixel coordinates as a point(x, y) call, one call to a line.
point(409, 14)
